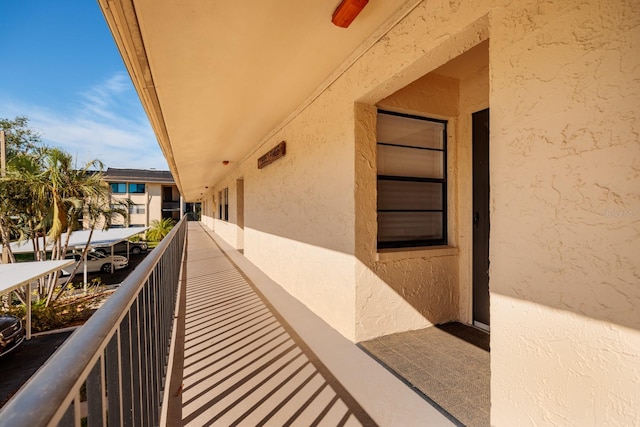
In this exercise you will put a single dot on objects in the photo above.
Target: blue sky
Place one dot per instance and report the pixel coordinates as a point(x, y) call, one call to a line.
point(60, 67)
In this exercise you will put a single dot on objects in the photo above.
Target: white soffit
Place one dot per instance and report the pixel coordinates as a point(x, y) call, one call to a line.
point(216, 77)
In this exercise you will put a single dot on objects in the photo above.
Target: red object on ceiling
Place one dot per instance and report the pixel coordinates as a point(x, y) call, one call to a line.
point(347, 11)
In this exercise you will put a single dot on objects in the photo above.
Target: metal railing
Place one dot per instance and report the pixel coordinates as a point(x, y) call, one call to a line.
point(111, 371)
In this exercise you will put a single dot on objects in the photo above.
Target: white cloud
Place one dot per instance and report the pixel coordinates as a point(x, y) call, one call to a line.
point(107, 123)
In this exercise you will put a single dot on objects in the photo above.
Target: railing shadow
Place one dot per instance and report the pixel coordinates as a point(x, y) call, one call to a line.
point(243, 365)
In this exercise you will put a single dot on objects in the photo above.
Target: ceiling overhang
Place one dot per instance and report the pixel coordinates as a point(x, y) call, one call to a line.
point(216, 78)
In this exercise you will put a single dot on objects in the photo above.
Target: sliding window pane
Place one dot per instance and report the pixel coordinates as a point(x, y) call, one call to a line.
point(409, 195)
point(401, 161)
point(410, 226)
point(411, 132)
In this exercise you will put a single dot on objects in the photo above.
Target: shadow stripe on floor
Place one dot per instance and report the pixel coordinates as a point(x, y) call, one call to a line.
point(236, 372)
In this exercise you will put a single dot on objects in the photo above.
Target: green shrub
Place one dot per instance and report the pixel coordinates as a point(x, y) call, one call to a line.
point(69, 311)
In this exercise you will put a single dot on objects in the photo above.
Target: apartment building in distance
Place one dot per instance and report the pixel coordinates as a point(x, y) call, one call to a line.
point(154, 193)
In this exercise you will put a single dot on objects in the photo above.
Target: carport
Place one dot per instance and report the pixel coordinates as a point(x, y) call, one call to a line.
point(14, 276)
point(81, 238)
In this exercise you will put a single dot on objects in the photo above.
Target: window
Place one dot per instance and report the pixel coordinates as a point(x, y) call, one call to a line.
point(136, 188)
point(225, 195)
point(220, 205)
point(137, 209)
point(118, 187)
point(412, 181)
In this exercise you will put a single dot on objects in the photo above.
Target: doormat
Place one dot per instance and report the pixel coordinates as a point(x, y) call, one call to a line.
point(449, 364)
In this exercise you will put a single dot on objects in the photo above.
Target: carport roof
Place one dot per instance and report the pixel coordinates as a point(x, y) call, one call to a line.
point(14, 275)
point(79, 239)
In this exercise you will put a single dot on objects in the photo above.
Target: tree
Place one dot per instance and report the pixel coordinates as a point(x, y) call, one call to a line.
point(44, 195)
point(19, 137)
point(160, 229)
point(19, 140)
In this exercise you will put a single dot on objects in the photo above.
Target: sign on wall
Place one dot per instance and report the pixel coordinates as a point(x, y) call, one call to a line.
point(272, 155)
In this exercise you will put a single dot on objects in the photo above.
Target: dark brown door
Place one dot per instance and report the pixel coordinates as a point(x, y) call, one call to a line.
point(481, 218)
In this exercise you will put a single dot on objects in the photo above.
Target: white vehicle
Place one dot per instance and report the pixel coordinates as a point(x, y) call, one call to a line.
point(96, 262)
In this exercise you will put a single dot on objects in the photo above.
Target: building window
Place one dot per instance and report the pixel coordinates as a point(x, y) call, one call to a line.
point(412, 181)
point(136, 188)
point(220, 205)
point(118, 187)
point(137, 209)
point(225, 197)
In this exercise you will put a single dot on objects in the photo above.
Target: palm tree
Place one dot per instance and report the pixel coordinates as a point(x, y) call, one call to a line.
point(44, 196)
point(160, 229)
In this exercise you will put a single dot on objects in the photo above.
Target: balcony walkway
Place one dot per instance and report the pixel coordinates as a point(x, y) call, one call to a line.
point(255, 356)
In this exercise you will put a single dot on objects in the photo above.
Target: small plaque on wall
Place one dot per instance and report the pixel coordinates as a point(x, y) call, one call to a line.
point(272, 155)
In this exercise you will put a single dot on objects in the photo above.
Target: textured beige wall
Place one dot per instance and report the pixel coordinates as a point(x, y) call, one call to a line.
point(557, 367)
point(154, 195)
point(209, 209)
point(565, 278)
point(299, 212)
point(399, 290)
point(565, 205)
point(438, 287)
point(307, 199)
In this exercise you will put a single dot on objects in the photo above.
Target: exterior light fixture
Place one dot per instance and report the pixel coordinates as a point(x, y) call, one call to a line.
point(225, 162)
point(347, 12)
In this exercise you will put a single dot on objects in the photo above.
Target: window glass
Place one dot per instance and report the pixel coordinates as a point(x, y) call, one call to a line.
point(406, 227)
point(136, 188)
point(411, 132)
point(412, 181)
point(118, 187)
point(403, 161)
point(226, 204)
point(409, 195)
point(137, 209)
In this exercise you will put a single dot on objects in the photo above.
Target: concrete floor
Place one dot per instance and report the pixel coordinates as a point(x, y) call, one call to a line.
point(253, 355)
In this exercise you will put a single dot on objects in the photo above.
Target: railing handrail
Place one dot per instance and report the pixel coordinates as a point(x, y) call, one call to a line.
point(43, 398)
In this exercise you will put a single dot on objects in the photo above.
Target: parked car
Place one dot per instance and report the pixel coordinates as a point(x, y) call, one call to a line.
point(11, 333)
point(135, 248)
point(96, 261)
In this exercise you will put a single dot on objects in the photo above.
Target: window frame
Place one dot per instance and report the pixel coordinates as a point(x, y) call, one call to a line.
point(136, 188)
point(116, 185)
point(416, 243)
point(137, 209)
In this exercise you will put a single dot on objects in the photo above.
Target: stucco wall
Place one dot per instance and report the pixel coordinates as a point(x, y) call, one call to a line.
point(299, 214)
point(565, 261)
point(154, 193)
point(398, 290)
point(209, 208)
point(565, 205)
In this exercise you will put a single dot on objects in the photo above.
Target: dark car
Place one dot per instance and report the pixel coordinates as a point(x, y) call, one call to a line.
point(11, 333)
point(121, 248)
